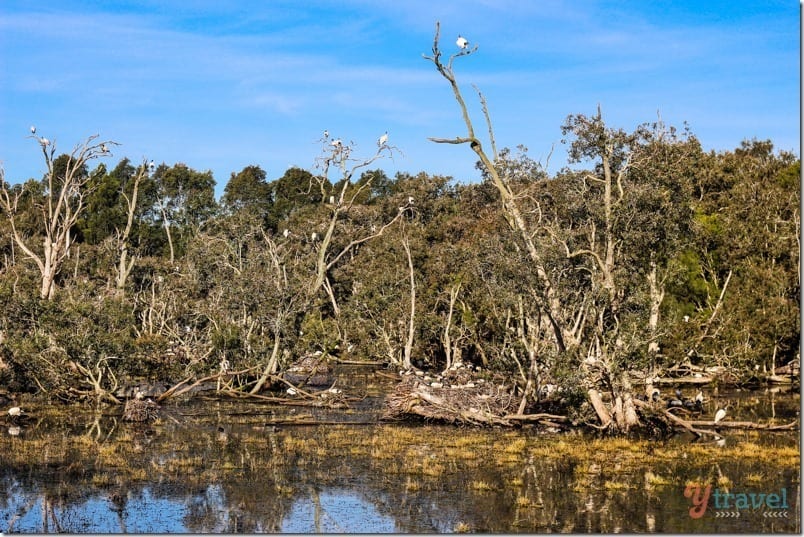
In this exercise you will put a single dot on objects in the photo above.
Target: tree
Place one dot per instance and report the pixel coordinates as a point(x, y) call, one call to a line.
point(509, 200)
point(340, 203)
point(123, 237)
point(248, 189)
point(185, 200)
point(66, 186)
point(745, 257)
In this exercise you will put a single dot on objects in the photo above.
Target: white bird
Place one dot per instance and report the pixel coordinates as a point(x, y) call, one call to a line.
point(332, 200)
point(44, 141)
point(462, 42)
point(14, 412)
point(292, 391)
point(699, 396)
point(286, 233)
point(151, 165)
point(336, 143)
point(326, 134)
point(410, 200)
point(104, 148)
point(720, 414)
point(383, 139)
point(314, 236)
point(33, 129)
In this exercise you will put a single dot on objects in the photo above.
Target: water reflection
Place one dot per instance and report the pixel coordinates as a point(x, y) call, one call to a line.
point(227, 467)
point(336, 511)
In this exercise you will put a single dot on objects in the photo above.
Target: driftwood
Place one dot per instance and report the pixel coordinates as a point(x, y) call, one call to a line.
point(182, 387)
point(684, 380)
point(673, 419)
point(693, 426)
point(748, 425)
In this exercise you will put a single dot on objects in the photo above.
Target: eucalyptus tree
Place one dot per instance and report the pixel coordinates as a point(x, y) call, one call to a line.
point(631, 217)
point(510, 202)
point(185, 199)
point(330, 243)
point(745, 258)
point(588, 305)
point(65, 187)
point(248, 190)
point(249, 287)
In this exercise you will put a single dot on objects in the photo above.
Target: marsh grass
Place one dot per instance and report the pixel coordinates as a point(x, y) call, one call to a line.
point(481, 486)
point(655, 480)
point(412, 460)
point(617, 485)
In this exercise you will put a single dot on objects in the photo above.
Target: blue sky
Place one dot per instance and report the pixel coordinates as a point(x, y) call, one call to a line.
point(220, 85)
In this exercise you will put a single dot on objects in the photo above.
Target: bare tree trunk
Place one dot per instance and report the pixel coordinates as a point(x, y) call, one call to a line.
point(341, 206)
point(656, 298)
point(124, 266)
point(510, 207)
point(166, 224)
point(270, 367)
point(446, 339)
point(599, 406)
point(406, 360)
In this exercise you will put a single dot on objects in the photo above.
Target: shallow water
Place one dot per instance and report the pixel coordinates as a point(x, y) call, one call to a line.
point(212, 466)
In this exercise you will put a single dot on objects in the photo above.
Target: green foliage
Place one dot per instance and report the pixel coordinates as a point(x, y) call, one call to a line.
point(248, 190)
point(239, 283)
point(291, 192)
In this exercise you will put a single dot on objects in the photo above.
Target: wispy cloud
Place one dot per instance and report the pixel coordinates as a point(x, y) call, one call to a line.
point(250, 80)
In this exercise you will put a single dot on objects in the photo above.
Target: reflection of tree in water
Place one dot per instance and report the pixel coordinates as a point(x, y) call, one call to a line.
point(228, 474)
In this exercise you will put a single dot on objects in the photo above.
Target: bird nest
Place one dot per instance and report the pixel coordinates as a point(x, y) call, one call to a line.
point(458, 396)
point(140, 410)
point(310, 370)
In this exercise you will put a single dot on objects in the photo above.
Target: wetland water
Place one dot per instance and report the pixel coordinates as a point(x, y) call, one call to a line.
point(212, 466)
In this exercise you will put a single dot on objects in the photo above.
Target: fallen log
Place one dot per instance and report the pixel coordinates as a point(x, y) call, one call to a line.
point(676, 420)
point(748, 425)
point(182, 387)
point(684, 380)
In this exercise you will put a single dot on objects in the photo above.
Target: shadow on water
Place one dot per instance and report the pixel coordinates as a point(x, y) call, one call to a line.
point(223, 466)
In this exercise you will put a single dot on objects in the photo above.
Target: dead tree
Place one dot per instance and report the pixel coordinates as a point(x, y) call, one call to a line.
point(510, 203)
point(62, 204)
point(339, 155)
point(124, 264)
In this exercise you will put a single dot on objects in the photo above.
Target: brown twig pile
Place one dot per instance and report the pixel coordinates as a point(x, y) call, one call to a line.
point(140, 410)
point(455, 397)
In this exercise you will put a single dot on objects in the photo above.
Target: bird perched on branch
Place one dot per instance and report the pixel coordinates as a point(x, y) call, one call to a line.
point(720, 414)
point(382, 140)
point(461, 42)
point(14, 413)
